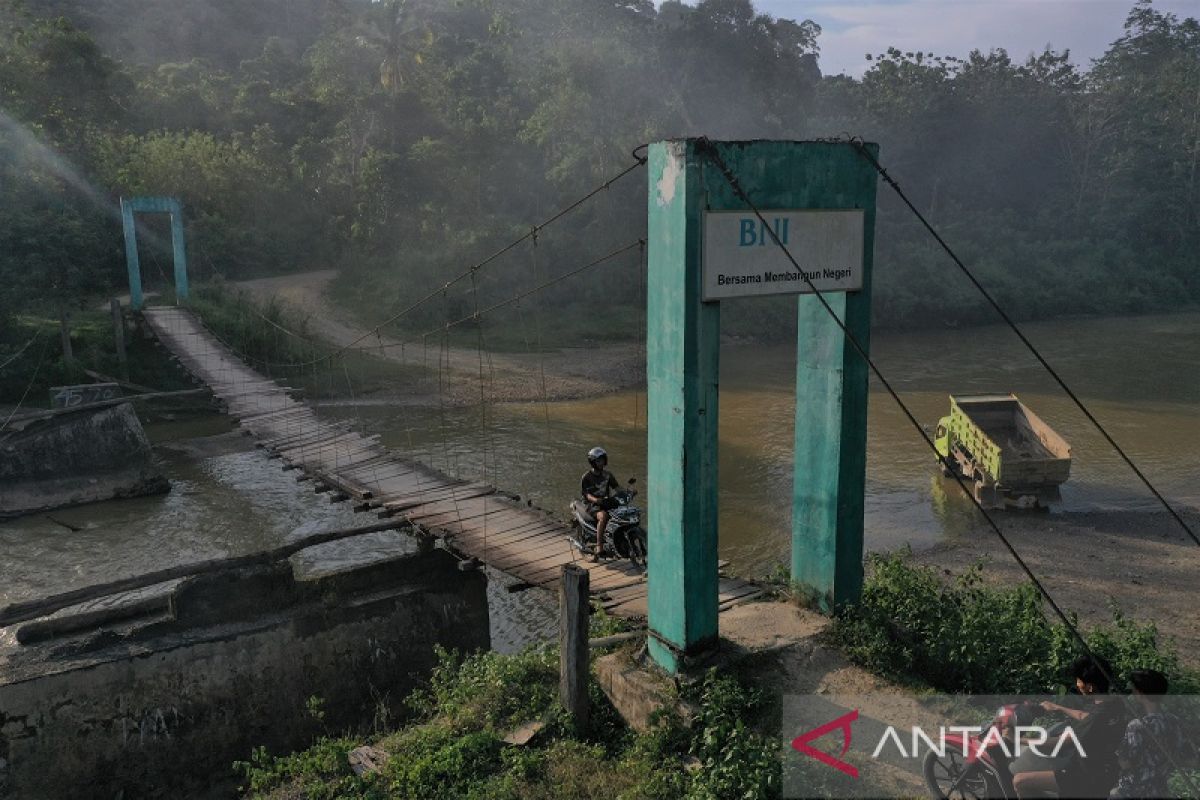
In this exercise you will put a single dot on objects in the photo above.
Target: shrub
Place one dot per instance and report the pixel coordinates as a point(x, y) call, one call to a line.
point(488, 690)
point(455, 751)
point(962, 636)
point(447, 770)
point(322, 771)
point(254, 330)
point(736, 760)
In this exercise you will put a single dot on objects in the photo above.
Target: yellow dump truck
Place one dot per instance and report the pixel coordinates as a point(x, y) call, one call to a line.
point(1010, 455)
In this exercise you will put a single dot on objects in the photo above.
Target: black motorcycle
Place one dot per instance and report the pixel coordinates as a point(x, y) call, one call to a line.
point(624, 536)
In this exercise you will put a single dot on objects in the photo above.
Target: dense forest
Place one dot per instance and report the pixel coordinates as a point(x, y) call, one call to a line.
point(398, 140)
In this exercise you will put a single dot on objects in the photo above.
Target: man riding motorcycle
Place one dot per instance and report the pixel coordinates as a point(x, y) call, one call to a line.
point(597, 487)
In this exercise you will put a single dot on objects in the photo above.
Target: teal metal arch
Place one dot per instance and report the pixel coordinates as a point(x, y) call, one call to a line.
point(153, 205)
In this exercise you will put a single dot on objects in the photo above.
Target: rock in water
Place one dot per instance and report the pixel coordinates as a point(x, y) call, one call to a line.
point(81, 457)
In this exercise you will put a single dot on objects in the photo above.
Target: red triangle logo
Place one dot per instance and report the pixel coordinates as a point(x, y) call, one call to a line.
point(800, 743)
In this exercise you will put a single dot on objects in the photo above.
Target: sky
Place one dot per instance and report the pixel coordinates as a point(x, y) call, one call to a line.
point(853, 28)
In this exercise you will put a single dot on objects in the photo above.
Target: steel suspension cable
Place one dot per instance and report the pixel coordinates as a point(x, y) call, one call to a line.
point(890, 181)
point(715, 155)
point(707, 148)
point(537, 326)
point(36, 371)
point(19, 353)
point(479, 313)
point(381, 346)
point(283, 328)
point(470, 271)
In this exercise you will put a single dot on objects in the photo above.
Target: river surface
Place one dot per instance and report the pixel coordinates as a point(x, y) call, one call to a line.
point(227, 498)
point(1140, 376)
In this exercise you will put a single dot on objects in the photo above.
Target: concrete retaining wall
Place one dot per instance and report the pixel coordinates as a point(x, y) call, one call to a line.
point(82, 457)
point(163, 706)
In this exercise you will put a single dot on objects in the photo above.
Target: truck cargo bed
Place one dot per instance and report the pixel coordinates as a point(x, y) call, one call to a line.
point(1014, 428)
point(1016, 449)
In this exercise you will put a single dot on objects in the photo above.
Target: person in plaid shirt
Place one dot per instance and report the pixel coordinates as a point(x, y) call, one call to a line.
point(1154, 743)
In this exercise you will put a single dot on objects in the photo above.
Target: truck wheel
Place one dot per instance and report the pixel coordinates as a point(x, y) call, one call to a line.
point(1029, 502)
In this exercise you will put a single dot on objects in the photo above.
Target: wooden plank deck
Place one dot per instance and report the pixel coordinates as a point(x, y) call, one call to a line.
point(473, 519)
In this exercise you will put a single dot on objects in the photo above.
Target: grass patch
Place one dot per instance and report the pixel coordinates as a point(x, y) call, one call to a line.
point(962, 636)
point(911, 624)
point(42, 364)
point(453, 748)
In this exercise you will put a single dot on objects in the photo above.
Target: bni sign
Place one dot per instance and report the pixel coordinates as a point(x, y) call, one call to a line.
point(742, 260)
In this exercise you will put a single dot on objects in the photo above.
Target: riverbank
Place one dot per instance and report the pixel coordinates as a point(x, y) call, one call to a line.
point(1139, 562)
point(27, 374)
point(156, 697)
point(490, 726)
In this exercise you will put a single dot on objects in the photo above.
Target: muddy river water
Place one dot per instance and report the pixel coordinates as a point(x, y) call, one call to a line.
point(1139, 375)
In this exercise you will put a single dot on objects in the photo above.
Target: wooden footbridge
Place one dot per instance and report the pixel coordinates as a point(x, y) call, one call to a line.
point(472, 519)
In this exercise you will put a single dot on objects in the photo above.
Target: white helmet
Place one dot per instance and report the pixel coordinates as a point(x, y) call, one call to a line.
point(595, 454)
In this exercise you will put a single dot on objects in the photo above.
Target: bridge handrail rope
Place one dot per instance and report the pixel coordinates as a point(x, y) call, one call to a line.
point(478, 314)
point(413, 339)
point(444, 359)
point(443, 365)
point(307, 340)
point(714, 154)
point(357, 413)
point(541, 355)
point(32, 380)
point(480, 346)
point(890, 181)
point(537, 326)
point(637, 396)
point(533, 232)
point(20, 352)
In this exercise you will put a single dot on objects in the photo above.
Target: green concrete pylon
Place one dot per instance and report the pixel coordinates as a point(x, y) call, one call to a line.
point(683, 343)
point(153, 205)
point(682, 359)
point(829, 481)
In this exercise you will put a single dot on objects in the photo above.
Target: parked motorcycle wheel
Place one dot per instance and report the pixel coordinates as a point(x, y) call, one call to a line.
point(637, 546)
point(940, 773)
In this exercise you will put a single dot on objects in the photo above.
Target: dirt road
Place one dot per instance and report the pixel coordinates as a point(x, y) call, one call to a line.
point(562, 374)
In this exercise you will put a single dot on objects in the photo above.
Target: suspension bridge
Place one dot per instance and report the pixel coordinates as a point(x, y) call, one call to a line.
point(820, 194)
point(474, 520)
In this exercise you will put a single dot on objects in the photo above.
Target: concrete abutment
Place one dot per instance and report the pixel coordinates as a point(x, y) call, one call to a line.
point(163, 705)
